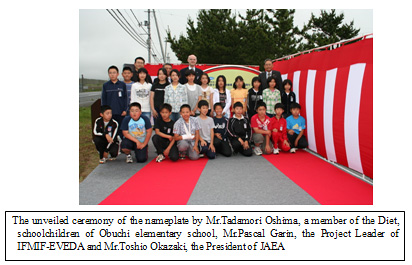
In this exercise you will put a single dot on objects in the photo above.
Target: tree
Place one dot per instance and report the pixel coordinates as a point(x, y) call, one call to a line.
point(285, 33)
point(215, 39)
point(256, 41)
point(326, 29)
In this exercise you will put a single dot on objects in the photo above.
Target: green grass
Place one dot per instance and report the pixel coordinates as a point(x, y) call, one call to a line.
point(88, 155)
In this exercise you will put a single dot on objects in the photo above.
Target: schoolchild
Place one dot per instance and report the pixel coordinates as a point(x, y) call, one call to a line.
point(254, 96)
point(105, 132)
point(296, 126)
point(163, 140)
point(186, 134)
point(157, 93)
point(278, 127)
point(261, 133)
point(239, 93)
point(222, 95)
point(127, 74)
point(207, 92)
point(220, 140)
point(114, 94)
point(175, 94)
point(271, 96)
point(240, 132)
point(288, 97)
point(194, 92)
point(141, 92)
point(206, 132)
point(137, 131)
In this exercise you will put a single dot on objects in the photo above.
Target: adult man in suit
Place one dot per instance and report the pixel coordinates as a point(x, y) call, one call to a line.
point(192, 60)
point(269, 72)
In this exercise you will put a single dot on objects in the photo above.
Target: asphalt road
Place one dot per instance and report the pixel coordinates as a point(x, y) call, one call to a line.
point(86, 99)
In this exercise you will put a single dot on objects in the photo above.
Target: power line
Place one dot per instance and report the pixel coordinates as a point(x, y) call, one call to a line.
point(140, 24)
point(124, 23)
point(141, 41)
point(137, 34)
point(131, 35)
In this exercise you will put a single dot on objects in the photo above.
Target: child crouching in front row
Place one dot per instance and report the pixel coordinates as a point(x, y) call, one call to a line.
point(296, 126)
point(106, 131)
point(163, 140)
point(220, 139)
point(278, 128)
point(186, 133)
point(239, 131)
point(137, 131)
point(206, 132)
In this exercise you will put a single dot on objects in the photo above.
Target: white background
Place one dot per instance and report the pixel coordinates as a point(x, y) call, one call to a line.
point(39, 155)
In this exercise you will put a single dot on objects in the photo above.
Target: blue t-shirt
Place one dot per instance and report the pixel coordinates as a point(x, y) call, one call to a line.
point(137, 129)
point(296, 124)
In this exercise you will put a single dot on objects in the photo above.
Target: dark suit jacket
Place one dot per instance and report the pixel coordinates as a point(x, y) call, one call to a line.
point(277, 76)
point(183, 79)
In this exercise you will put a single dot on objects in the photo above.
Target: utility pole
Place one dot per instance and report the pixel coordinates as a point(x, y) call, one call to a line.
point(149, 38)
point(158, 34)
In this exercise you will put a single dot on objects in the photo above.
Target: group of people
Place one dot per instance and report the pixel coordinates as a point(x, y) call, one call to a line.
point(191, 119)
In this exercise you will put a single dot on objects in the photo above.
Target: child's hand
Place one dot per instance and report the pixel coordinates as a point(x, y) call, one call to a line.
point(170, 137)
point(275, 130)
point(203, 143)
point(291, 132)
point(286, 143)
point(196, 149)
point(268, 132)
point(154, 113)
point(241, 141)
point(268, 149)
point(212, 147)
point(166, 151)
point(140, 145)
point(245, 145)
point(124, 113)
point(109, 139)
point(296, 142)
point(193, 113)
point(219, 136)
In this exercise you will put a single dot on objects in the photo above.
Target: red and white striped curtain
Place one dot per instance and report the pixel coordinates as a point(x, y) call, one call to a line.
point(335, 90)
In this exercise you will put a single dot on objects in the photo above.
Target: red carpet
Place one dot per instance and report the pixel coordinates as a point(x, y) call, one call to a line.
point(323, 181)
point(165, 183)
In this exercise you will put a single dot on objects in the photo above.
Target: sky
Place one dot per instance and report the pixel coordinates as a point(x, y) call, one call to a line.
point(102, 41)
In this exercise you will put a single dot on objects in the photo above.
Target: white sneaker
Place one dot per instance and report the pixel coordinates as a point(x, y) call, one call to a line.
point(293, 150)
point(102, 161)
point(275, 151)
point(160, 158)
point(257, 151)
point(129, 159)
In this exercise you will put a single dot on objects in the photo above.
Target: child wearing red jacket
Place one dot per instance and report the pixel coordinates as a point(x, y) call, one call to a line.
point(279, 131)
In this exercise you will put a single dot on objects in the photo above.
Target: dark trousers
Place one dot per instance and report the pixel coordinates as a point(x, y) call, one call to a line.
point(302, 143)
point(222, 147)
point(205, 150)
point(161, 144)
point(237, 147)
point(102, 146)
point(119, 119)
point(141, 154)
